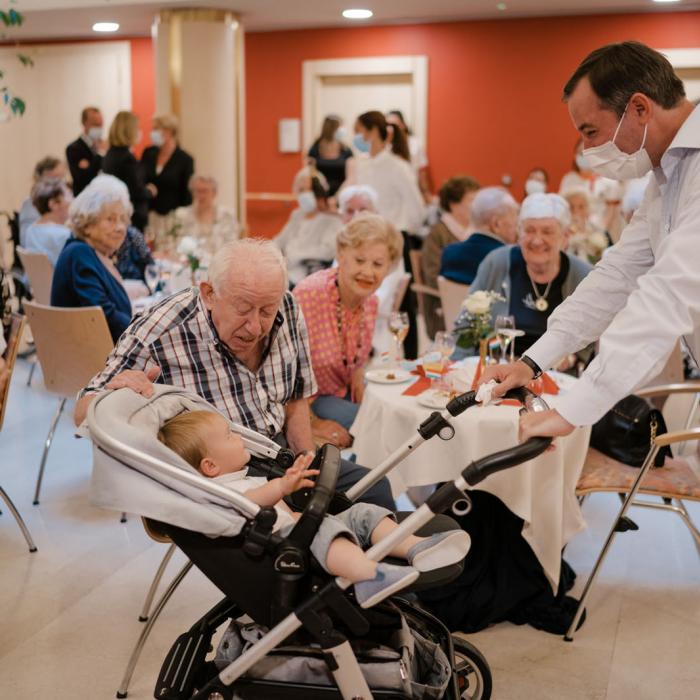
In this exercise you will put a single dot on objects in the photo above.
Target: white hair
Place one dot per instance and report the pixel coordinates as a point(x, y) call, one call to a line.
point(488, 202)
point(546, 206)
point(250, 256)
point(88, 205)
point(208, 179)
point(308, 171)
point(369, 194)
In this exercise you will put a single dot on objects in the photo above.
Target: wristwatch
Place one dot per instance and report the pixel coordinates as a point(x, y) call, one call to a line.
point(536, 369)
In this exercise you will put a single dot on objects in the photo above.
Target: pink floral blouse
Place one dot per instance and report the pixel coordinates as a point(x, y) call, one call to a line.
point(333, 364)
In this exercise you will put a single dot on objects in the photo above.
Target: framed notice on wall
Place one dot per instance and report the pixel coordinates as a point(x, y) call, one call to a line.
point(289, 135)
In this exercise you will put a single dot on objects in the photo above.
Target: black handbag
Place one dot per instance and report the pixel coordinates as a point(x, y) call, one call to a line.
point(627, 431)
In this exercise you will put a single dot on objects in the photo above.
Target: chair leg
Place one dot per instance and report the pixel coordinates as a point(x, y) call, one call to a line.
point(136, 653)
point(18, 518)
point(122, 517)
point(143, 617)
point(31, 372)
point(688, 521)
point(47, 446)
point(569, 636)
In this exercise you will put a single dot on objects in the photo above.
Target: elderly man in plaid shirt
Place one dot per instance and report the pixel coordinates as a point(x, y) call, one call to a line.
point(240, 342)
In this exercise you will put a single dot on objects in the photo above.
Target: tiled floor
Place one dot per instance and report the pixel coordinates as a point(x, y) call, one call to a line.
point(68, 613)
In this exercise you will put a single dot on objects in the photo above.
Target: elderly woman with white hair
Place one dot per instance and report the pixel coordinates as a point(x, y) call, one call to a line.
point(340, 309)
point(85, 274)
point(212, 225)
point(535, 275)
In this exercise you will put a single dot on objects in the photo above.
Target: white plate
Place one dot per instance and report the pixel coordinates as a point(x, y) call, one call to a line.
point(388, 376)
point(433, 399)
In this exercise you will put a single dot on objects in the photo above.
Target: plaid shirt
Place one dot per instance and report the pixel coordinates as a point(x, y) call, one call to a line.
point(178, 336)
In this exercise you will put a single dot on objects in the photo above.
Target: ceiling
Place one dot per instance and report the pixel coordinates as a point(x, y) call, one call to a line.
point(69, 19)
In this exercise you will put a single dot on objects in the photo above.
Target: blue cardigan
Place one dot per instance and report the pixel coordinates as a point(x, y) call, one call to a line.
point(460, 261)
point(80, 279)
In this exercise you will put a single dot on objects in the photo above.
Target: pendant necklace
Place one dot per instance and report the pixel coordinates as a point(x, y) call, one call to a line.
point(341, 335)
point(541, 303)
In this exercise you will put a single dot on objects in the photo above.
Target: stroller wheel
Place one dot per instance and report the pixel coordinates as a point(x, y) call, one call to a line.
point(472, 670)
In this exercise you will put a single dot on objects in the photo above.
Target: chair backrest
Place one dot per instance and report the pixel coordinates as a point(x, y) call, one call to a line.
point(452, 294)
point(16, 329)
point(40, 272)
point(155, 531)
point(400, 292)
point(71, 344)
point(415, 257)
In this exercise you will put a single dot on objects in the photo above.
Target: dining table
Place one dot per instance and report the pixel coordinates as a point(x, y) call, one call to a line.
point(541, 491)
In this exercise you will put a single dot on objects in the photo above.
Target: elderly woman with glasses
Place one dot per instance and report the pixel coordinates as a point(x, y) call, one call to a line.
point(85, 274)
point(536, 275)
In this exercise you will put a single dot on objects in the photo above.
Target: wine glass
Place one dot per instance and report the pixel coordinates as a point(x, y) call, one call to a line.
point(444, 344)
point(398, 327)
point(504, 327)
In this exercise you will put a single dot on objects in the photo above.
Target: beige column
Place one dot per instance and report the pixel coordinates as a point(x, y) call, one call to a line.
point(200, 79)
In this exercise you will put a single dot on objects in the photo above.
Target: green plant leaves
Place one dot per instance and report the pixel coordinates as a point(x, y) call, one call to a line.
point(11, 18)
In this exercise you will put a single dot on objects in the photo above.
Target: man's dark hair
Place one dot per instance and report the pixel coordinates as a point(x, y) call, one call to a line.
point(44, 165)
point(454, 189)
point(617, 71)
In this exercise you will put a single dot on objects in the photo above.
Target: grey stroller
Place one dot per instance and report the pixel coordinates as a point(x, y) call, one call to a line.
point(310, 639)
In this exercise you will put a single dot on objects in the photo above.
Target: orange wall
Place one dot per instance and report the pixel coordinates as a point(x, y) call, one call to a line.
point(493, 100)
point(143, 86)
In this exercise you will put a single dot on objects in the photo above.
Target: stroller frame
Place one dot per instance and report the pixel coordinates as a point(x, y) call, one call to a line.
point(339, 655)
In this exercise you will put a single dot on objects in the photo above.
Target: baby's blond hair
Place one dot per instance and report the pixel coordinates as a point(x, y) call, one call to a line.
point(183, 435)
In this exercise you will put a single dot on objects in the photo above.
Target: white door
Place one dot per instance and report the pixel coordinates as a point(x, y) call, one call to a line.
point(691, 82)
point(349, 87)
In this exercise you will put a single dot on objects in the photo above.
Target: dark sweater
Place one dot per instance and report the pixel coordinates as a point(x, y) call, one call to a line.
point(120, 162)
point(460, 261)
point(84, 164)
point(172, 181)
point(80, 279)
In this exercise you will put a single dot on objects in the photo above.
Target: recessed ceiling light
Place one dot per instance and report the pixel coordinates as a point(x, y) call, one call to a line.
point(667, 0)
point(105, 27)
point(501, 6)
point(357, 14)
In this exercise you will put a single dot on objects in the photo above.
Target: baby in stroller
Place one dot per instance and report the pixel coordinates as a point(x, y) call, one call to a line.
point(204, 439)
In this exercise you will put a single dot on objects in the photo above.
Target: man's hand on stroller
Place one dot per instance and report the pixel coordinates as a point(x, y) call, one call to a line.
point(298, 476)
point(136, 380)
point(510, 376)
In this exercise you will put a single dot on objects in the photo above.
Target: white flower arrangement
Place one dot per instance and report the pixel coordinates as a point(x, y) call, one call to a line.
point(480, 302)
point(474, 323)
point(187, 246)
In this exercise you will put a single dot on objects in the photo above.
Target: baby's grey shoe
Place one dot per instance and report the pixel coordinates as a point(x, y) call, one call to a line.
point(442, 549)
point(388, 580)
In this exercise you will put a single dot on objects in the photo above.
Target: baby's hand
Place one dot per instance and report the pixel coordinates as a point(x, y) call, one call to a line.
point(298, 475)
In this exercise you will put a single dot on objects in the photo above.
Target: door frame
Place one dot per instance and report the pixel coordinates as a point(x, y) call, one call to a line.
point(682, 58)
point(314, 71)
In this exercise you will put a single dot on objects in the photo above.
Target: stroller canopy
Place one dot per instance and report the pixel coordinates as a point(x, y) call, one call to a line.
point(136, 473)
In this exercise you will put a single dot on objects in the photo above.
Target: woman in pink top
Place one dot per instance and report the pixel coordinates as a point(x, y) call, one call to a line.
point(340, 310)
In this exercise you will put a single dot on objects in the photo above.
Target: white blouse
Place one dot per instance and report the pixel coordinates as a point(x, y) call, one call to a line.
point(394, 180)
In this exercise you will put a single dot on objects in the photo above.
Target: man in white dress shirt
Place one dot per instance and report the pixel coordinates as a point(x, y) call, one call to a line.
point(631, 111)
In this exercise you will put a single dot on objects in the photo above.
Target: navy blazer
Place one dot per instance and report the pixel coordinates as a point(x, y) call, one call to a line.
point(460, 261)
point(78, 153)
point(80, 279)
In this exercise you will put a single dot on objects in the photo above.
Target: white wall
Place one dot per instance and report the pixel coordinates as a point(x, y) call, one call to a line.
point(65, 78)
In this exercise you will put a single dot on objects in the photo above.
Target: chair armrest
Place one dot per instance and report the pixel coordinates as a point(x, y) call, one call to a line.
point(677, 436)
point(424, 289)
point(668, 389)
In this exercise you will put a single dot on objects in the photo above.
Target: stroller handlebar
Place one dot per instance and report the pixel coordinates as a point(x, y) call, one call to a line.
point(478, 470)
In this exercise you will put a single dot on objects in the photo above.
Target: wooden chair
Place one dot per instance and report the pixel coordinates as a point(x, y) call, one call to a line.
point(72, 346)
point(16, 328)
point(154, 532)
point(675, 481)
point(452, 294)
point(421, 289)
point(40, 273)
point(400, 292)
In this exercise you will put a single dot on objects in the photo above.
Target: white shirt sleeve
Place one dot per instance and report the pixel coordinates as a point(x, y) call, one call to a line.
point(411, 200)
point(582, 317)
point(637, 343)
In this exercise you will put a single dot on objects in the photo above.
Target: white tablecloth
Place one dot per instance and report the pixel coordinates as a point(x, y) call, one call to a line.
point(540, 491)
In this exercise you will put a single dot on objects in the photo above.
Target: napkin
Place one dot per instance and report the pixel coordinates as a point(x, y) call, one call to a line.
point(484, 392)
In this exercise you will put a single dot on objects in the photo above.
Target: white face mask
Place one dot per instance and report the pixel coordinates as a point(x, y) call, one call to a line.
point(608, 160)
point(533, 186)
point(157, 137)
point(582, 163)
point(341, 133)
point(307, 202)
point(95, 133)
